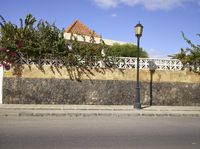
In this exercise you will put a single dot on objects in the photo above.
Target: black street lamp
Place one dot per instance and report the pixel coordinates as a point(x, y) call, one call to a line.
point(138, 34)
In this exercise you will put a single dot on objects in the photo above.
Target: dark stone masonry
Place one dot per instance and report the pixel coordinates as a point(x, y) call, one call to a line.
point(98, 92)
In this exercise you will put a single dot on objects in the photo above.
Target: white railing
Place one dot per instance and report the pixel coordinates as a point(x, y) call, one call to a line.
point(122, 63)
point(162, 64)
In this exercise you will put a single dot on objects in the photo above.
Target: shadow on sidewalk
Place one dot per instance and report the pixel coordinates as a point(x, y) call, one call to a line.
point(144, 107)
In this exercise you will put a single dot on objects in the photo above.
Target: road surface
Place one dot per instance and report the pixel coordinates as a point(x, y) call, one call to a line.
point(99, 133)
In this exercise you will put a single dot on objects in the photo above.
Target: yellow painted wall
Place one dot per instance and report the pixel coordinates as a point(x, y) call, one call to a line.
point(114, 74)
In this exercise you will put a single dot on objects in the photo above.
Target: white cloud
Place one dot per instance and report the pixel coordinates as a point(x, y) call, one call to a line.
point(107, 3)
point(155, 4)
point(148, 4)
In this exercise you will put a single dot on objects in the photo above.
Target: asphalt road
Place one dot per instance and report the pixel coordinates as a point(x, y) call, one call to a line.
point(99, 133)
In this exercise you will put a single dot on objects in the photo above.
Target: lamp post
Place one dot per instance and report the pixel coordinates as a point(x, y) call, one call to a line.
point(138, 34)
point(152, 68)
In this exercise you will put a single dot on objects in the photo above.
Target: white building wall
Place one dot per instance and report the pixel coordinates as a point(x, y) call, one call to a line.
point(80, 38)
point(1, 84)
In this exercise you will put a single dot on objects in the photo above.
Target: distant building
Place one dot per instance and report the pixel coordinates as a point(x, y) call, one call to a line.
point(83, 34)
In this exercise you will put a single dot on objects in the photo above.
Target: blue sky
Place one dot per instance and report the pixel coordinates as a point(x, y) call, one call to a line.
point(163, 20)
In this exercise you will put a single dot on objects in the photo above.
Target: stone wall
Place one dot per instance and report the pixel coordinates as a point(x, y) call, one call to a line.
point(107, 92)
point(115, 87)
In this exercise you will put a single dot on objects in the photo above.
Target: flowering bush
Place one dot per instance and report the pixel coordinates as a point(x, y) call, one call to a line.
point(40, 40)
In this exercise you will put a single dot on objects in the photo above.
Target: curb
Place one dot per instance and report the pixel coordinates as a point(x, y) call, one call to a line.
point(98, 114)
point(96, 110)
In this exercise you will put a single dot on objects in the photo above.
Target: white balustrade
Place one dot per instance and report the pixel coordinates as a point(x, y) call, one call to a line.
point(121, 63)
point(162, 64)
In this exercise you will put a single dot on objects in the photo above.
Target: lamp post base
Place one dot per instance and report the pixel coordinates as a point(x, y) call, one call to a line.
point(137, 106)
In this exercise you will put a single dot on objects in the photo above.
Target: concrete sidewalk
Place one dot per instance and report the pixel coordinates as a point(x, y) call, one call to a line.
point(96, 110)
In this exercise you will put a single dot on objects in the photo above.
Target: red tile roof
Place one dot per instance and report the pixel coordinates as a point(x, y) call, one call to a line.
point(79, 28)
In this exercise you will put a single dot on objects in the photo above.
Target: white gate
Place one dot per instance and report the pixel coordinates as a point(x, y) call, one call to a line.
point(1, 84)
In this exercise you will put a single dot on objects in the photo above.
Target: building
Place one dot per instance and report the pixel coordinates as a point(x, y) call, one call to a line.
point(84, 33)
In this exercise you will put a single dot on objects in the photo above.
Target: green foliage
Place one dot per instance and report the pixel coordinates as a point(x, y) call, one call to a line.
point(42, 40)
point(28, 41)
point(125, 50)
point(190, 56)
